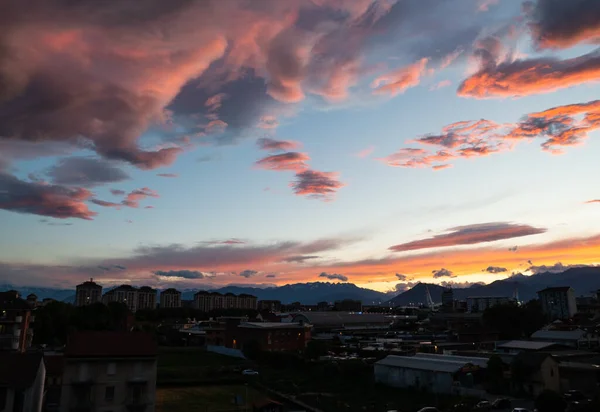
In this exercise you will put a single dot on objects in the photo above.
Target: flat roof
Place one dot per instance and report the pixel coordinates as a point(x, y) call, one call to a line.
point(337, 318)
point(579, 366)
point(526, 344)
point(559, 334)
point(270, 325)
point(430, 363)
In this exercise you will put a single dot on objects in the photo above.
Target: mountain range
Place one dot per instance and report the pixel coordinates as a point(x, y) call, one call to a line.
point(584, 280)
point(308, 293)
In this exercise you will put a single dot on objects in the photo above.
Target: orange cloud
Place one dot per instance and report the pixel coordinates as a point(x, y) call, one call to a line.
point(560, 126)
point(399, 80)
point(534, 76)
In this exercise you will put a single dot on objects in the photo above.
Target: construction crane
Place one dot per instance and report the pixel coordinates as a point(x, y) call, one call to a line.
point(428, 299)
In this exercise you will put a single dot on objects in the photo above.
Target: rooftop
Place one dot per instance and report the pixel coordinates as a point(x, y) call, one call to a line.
point(19, 369)
point(559, 334)
point(556, 289)
point(93, 344)
point(526, 345)
point(580, 366)
point(270, 325)
point(341, 318)
point(440, 364)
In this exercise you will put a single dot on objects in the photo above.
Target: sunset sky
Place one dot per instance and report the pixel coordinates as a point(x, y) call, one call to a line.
point(198, 143)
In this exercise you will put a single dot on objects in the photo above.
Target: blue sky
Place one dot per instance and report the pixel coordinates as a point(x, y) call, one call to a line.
point(349, 87)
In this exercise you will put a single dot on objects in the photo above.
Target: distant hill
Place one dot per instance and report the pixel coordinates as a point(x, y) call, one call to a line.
point(307, 293)
point(66, 295)
point(584, 281)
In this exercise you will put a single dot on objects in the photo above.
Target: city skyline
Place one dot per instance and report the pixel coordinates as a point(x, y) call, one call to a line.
point(380, 143)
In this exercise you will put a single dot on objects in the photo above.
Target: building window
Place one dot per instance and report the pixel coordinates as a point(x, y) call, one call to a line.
point(111, 369)
point(109, 394)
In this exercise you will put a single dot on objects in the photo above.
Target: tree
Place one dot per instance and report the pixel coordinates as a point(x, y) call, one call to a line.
point(495, 370)
point(514, 322)
point(315, 349)
point(550, 401)
point(252, 350)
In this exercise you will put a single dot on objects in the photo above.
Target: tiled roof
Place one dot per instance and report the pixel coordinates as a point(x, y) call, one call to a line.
point(19, 370)
point(92, 344)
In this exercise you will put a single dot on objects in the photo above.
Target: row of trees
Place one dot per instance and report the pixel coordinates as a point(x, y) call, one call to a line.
point(55, 321)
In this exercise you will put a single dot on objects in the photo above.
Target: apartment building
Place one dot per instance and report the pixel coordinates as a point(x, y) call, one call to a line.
point(146, 298)
point(170, 298)
point(481, 303)
point(21, 382)
point(209, 301)
point(109, 371)
point(126, 294)
point(16, 333)
point(87, 293)
point(558, 302)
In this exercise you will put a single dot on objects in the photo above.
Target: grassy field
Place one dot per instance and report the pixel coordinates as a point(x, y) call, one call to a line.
point(206, 398)
point(188, 366)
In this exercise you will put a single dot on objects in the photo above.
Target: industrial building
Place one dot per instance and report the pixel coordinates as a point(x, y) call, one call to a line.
point(434, 373)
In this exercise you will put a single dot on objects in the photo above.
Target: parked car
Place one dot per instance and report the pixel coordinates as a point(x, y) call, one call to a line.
point(571, 396)
point(429, 409)
point(502, 403)
point(520, 410)
point(249, 372)
point(483, 406)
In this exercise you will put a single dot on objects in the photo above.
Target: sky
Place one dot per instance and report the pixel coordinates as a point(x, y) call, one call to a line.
point(199, 143)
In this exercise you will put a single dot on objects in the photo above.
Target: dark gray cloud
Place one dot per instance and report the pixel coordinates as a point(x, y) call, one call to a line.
point(300, 258)
point(316, 184)
point(562, 24)
point(117, 192)
point(271, 275)
point(442, 273)
point(404, 286)
point(248, 273)
point(36, 198)
point(495, 269)
point(184, 274)
point(403, 277)
point(334, 276)
point(85, 171)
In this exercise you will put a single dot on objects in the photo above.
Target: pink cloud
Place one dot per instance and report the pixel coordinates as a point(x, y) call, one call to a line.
point(133, 198)
point(441, 85)
point(399, 80)
point(294, 161)
point(273, 145)
point(61, 202)
point(365, 152)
